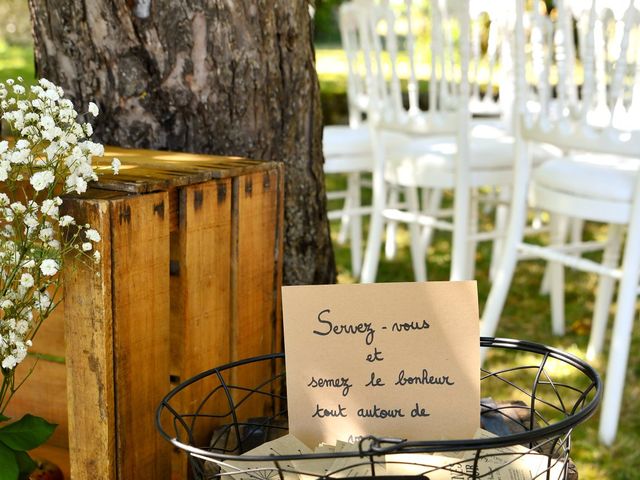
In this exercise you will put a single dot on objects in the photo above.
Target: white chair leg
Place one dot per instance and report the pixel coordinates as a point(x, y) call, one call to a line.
point(577, 226)
point(356, 225)
point(559, 226)
point(575, 230)
point(376, 225)
point(622, 329)
point(390, 244)
point(432, 200)
point(545, 284)
point(460, 235)
point(502, 214)
point(604, 294)
point(417, 254)
point(345, 218)
point(472, 243)
point(509, 256)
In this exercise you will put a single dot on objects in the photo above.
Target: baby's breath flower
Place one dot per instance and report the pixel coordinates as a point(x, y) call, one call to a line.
point(29, 264)
point(66, 220)
point(31, 221)
point(50, 207)
point(26, 280)
point(49, 267)
point(52, 153)
point(46, 234)
point(18, 207)
point(9, 362)
point(41, 180)
point(115, 165)
point(92, 235)
point(93, 109)
point(22, 143)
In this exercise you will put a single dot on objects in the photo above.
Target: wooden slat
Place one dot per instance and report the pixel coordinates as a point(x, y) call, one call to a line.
point(200, 327)
point(279, 262)
point(152, 170)
point(200, 330)
point(47, 381)
point(140, 272)
point(89, 353)
point(254, 329)
point(50, 338)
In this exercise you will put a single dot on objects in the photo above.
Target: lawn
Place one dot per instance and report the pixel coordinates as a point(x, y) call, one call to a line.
point(526, 315)
point(16, 60)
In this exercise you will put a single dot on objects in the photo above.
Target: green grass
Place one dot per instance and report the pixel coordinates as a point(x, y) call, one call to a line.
point(15, 61)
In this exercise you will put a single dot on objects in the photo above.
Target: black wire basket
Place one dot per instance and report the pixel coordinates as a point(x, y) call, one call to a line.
point(222, 413)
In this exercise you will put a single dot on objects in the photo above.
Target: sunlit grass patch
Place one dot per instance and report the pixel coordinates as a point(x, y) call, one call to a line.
point(16, 61)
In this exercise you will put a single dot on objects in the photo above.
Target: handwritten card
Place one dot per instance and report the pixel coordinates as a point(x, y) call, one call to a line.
point(395, 359)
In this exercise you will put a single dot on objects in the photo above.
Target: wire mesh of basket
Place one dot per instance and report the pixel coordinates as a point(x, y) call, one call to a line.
point(219, 415)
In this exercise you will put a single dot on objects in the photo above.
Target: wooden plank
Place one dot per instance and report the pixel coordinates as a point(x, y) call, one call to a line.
point(258, 265)
point(50, 338)
point(152, 170)
point(46, 381)
point(279, 263)
point(200, 299)
point(200, 330)
point(140, 264)
point(89, 353)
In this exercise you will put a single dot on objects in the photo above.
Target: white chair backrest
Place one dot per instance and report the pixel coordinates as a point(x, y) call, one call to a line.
point(404, 52)
point(357, 98)
point(586, 97)
point(490, 67)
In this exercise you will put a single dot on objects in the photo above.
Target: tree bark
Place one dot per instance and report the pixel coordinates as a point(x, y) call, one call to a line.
point(228, 77)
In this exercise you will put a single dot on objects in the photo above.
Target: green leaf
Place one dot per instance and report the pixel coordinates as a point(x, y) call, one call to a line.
point(8, 464)
point(26, 465)
point(27, 433)
point(4, 419)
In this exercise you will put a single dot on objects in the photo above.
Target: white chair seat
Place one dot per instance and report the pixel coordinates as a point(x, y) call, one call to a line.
point(348, 149)
point(426, 161)
point(592, 187)
point(342, 140)
point(348, 163)
point(431, 161)
point(600, 177)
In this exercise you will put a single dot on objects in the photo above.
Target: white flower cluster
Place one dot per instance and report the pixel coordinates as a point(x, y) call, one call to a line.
point(49, 135)
point(50, 155)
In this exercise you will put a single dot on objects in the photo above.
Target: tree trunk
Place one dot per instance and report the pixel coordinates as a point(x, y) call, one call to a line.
point(228, 77)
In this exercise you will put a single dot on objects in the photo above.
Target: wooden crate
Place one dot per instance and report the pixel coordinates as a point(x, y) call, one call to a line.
point(189, 279)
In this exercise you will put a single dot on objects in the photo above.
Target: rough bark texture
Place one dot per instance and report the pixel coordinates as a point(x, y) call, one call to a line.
point(230, 77)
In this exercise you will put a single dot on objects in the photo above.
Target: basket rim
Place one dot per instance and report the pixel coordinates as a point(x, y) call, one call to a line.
point(382, 446)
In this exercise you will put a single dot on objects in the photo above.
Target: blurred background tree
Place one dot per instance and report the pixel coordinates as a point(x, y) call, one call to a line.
point(326, 29)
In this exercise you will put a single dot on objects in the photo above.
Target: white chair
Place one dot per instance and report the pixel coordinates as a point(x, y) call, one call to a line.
point(448, 151)
point(601, 185)
point(347, 148)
